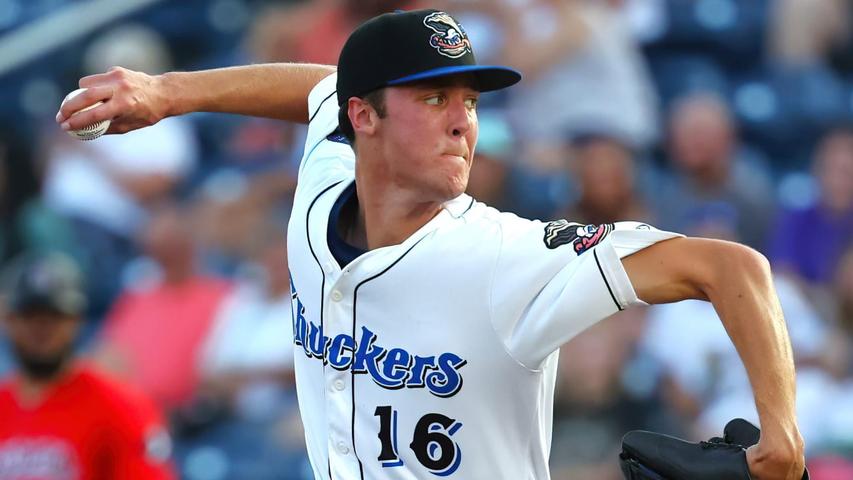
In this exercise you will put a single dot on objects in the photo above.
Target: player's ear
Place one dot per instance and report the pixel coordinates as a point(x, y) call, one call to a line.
point(362, 116)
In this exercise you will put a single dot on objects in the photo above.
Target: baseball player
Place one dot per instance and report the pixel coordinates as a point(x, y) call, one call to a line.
point(426, 323)
point(60, 419)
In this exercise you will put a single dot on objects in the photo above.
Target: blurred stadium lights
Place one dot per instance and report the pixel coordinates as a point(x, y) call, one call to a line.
point(229, 16)
point(55, 30)
point(206, 463)
point(716, 14)
point(756, 101)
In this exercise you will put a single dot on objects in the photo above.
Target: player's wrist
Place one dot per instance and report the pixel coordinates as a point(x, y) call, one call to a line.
point(777, 451)
point(781, 429)
point(766, 463)
point(172, 94)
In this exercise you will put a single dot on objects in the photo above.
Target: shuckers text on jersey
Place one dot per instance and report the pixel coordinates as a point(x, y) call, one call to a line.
point(391, 368)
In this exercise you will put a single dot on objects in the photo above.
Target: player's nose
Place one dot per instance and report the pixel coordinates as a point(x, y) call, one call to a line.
point(461, 118)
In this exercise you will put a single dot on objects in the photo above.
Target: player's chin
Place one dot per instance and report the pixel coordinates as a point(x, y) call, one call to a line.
point(456, 185)
point(442, 190)
point(446, 181)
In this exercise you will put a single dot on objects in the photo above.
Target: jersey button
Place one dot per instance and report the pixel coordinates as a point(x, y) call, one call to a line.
point(337, 296)
point(339, 385)
point(342, 447)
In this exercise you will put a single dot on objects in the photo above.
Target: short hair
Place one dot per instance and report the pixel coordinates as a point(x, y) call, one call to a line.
point(375, 98)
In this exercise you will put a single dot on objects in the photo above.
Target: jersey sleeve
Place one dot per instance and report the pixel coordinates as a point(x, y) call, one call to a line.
point(553, 280)
point(327, 152)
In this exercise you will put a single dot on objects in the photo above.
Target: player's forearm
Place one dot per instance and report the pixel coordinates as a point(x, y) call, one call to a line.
point(741, 290)
point(132, 100)
point(278, 90)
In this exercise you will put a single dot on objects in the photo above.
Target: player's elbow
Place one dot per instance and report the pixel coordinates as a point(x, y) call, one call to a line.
point(731, 264)
point(746, 261)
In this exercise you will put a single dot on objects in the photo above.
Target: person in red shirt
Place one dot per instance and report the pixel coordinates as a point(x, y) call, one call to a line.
point(153, 333)
point(61, 419)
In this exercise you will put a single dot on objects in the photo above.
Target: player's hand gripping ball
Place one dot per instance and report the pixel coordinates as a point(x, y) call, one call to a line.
point(89, 132)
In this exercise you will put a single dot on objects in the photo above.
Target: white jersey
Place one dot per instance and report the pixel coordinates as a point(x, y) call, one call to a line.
point(437, 357)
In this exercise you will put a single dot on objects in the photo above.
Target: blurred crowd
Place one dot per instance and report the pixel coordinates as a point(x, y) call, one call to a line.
point(719, 118)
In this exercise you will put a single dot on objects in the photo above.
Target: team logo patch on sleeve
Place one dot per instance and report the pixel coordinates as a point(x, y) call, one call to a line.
point(582, 237)
point(449, 38)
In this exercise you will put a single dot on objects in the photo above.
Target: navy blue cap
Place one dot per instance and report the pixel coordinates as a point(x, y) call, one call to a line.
point(408, 46)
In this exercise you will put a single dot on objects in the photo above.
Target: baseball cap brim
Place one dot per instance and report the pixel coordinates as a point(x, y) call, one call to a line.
point(489, 77)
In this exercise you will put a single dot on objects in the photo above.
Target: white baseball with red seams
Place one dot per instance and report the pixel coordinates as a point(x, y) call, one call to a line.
point(437, 357)
point(89, 132)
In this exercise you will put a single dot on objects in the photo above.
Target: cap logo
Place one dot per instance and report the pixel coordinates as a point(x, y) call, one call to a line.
point(449, 38)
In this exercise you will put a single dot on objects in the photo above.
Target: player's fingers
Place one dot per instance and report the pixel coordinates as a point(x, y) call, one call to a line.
point(94, 80)
point(77, 121)
point(114, 74)
point(89, 97)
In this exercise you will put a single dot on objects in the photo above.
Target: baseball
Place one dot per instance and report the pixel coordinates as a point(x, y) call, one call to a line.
point(89, 132)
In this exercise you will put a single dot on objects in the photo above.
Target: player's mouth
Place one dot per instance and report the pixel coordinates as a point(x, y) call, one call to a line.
point(463, 157)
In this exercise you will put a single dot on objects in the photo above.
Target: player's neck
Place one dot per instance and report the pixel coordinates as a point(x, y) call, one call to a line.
point(389, 215)
point(31, 391)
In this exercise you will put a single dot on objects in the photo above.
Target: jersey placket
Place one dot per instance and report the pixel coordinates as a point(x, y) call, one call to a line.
point(343, 461)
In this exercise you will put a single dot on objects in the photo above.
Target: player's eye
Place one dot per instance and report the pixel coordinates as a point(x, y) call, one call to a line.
point(435, 100)
point(471, 102)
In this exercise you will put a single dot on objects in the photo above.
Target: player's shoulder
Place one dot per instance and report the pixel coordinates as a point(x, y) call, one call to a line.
point(324, 91)
point(317, 192)
point(328, 156)
point(519, 236)
point(479, 228)
point(480, 217)
point(323, 116)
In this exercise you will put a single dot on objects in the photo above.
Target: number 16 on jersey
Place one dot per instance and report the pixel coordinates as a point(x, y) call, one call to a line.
point(431, 441)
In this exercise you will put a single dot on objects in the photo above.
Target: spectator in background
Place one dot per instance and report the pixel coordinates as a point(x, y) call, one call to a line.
point(574, 53)
point(602, 392)
point(837, 303)
point(60, 418)
point(605, 170)
point(582, 69)
point(154, 332)
point(250, 346)
point(808, 242)
point(707, 170)
point(314, 32)
point(230, 207)
point(837, 440)
point(843, 317)
point(806, 32)
point(246, 402)
point(105, 188)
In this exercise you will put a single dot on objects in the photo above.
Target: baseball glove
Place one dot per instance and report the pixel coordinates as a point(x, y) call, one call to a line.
point(654, 456)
